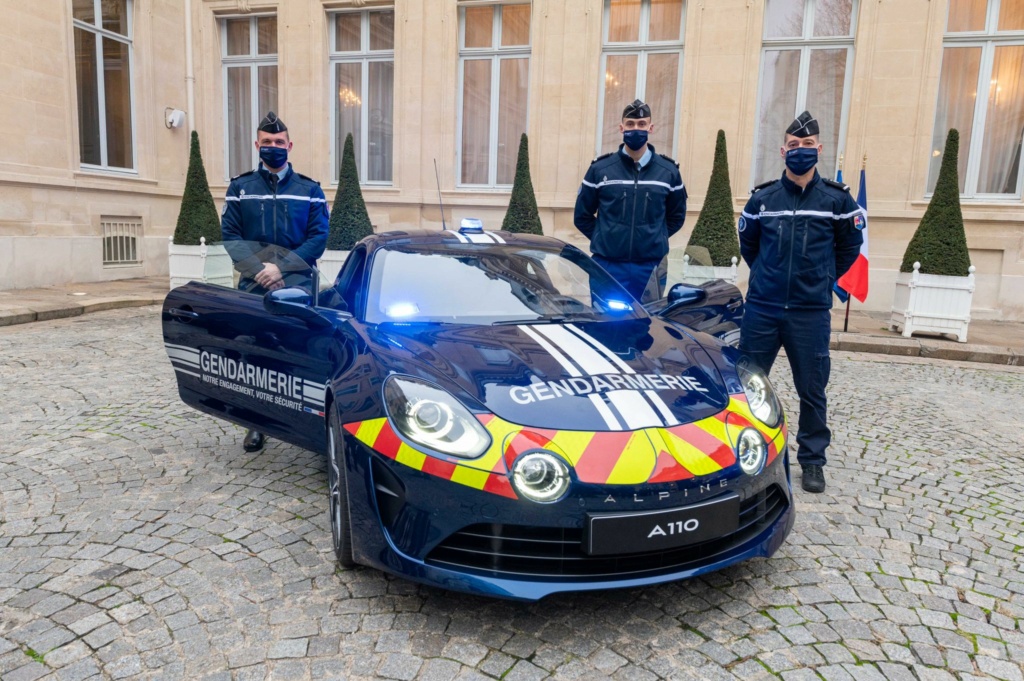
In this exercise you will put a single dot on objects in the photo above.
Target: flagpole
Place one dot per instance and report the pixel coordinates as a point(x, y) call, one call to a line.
point(846, 322)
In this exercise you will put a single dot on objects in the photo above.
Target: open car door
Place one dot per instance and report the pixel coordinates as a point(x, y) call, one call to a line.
point(258, 358)
point(698, 300)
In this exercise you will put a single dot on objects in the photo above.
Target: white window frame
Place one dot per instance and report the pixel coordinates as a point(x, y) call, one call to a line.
point(807, 43)
point(253, 60)
point(101, 93)
point(364, 56)
point(988, 39)
point(642, 49)
point(497, 53)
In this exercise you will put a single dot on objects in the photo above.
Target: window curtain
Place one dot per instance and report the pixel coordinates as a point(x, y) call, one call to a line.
point(1004, 123)
point(958, 89)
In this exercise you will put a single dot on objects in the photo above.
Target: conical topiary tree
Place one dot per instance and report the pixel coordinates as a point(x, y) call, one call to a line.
point(939, 243)
point(716, 227)
point(522, 215)
point(349, 220)
point(197, 216)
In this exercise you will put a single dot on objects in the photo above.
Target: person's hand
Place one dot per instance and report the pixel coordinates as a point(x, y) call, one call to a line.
point(270, 277)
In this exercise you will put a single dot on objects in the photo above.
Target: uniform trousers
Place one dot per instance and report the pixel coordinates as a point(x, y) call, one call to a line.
point(635, 276)
point(805, 336)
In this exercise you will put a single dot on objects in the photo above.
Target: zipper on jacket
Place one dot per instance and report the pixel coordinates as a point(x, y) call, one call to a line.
point(632, 224)
point(792, 246)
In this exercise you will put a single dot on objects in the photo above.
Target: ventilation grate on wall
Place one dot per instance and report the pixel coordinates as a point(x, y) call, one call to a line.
point(122, 241)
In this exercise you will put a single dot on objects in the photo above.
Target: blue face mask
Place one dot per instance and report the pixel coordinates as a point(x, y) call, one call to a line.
point(635, 139)
point(801, 160)
point(274, 157)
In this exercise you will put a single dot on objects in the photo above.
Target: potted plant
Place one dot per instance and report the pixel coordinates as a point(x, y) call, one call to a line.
point(349, 220)
point(522, 215)
point(935, 285)
point(713, 250)
point(194, 252)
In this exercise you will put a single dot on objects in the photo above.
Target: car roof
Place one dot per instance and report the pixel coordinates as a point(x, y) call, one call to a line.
point(453, 236)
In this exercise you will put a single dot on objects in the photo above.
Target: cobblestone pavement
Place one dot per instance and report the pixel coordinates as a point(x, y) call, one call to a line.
point(137, 540)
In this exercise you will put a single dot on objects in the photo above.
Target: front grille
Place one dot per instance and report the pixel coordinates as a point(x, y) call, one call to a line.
point(527, 551)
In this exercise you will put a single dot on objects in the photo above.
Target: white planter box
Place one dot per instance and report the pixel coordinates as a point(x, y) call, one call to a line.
point(685, 273)
point(208, 264)
point(932, 302)
point(330, 264)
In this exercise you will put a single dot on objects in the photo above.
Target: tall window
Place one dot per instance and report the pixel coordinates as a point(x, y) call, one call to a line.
point(806, 64)
point(641, 59)
point(494, 66)
point(103, 65)
point(983, 54)
point(363, 64)
point(249, 57)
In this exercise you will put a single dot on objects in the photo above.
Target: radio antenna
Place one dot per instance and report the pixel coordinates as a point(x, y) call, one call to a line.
point(441, 203)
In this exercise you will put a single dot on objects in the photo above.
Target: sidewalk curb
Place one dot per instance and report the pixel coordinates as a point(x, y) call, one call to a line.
point(47, 311)
point(925, 347)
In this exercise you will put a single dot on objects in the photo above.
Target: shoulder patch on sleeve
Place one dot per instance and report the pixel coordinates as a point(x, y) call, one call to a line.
point(763, 185)
point(837, 185)
point(670, 160)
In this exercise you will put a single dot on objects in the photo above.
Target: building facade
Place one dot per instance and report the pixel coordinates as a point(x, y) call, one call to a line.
point(91, 174)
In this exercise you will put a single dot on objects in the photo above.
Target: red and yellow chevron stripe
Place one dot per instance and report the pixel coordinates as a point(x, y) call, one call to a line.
point(652, 455)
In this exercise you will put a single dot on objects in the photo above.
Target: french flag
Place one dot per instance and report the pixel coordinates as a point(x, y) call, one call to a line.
point(855, 281)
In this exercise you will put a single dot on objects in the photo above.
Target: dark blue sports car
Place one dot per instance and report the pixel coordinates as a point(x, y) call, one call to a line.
point(499, 416)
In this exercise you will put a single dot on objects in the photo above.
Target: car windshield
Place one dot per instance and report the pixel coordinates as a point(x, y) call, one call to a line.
point(492, 284)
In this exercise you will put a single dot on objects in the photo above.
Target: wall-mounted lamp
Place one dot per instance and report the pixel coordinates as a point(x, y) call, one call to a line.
point(174, 118)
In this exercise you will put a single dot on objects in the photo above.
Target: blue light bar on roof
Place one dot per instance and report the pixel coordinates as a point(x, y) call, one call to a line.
point(471, 226)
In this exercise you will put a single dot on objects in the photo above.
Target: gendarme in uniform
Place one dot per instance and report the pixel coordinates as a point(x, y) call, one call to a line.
point(639, 201)
point(798, 234)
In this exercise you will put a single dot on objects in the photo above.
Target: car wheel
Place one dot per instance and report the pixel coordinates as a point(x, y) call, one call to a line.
point(337, 493)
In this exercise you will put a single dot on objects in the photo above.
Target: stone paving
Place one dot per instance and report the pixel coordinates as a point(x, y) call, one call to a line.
point(137, 540)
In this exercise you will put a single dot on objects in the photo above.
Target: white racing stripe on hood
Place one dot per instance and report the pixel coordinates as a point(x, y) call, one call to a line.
point(601, 347)
point(559, 357)
point(605, 412)
point(590, 360)
point(660, 405)
point(634, 409)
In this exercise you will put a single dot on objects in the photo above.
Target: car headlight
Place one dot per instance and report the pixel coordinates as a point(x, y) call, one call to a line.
point(751, 451)
point(540, 476)
point(760, 396)
point(433, 418)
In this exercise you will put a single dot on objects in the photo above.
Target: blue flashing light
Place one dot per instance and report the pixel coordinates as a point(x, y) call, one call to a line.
point(471, 226)
point(398, 310)
point(619, 306)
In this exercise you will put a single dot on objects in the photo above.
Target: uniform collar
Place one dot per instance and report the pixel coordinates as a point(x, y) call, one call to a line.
point(644, 160)
point(794, 187)
point(283, 173)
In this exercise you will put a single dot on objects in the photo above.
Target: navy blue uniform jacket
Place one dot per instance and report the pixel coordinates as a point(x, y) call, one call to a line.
point(291, 213)
point(797, 243)
point(638, 208)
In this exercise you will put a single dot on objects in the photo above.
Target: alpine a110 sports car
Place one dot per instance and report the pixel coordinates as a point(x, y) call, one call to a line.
point(499, 416)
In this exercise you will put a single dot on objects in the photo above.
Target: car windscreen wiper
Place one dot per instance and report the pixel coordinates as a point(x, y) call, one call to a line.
point(549, 319)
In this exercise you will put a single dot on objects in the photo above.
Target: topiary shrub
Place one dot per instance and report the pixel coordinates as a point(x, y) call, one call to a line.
point(197, 216)
point(939, 243)
point(716, 227)
point(522, 215)
point(349, 220)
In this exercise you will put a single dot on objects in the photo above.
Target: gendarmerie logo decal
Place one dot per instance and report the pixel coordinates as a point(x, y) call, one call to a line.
point(259, 383)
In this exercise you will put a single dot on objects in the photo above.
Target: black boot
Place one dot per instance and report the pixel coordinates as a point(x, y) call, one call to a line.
point(813, 478)
point(253, 441)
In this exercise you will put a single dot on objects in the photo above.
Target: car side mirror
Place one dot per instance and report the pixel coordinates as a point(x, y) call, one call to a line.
point(684, 294)
point(293, 302)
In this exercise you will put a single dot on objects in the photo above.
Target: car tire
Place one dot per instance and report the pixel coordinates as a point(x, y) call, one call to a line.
point(337, 493)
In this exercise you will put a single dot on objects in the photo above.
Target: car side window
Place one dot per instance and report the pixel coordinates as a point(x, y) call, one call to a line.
point(351, 277)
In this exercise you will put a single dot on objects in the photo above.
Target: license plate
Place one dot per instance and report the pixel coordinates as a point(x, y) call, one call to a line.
point(642, 531)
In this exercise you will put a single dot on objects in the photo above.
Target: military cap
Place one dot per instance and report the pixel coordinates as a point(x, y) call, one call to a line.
point(272, 124)
point(803, 125)
point(636, 109)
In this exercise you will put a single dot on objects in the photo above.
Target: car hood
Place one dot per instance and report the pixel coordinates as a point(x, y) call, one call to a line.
point(593, 376)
